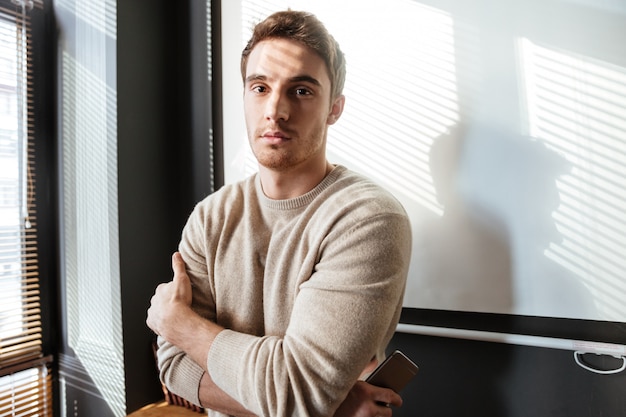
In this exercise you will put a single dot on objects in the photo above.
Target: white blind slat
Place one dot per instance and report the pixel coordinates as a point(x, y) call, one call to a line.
point(27, 393)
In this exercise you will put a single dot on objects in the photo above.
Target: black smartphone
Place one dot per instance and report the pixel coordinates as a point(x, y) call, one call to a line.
point(395, 372)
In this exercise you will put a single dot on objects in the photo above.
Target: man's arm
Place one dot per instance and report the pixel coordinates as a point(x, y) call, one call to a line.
point(343, 314)
point(171, 317)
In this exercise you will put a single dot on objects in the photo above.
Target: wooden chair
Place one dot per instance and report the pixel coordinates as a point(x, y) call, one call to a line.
point(163, 409)
point(173, 406)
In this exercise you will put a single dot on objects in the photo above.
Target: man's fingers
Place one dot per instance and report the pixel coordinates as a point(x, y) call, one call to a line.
point(385, 397)
point(390, 398)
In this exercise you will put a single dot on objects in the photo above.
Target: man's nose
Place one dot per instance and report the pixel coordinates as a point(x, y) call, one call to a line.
point(277, 107)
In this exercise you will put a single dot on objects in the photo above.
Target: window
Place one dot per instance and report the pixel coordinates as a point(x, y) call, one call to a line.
point(25, 381)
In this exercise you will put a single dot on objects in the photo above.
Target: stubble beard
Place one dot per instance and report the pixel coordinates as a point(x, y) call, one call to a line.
point(274, 158)
point(284, 158)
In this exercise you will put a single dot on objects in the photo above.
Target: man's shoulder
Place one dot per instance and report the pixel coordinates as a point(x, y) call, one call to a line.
point(230, 198)
point(357, 189)
point(231, 191)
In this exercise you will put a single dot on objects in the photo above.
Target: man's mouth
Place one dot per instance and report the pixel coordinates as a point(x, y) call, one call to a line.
point(275, 137)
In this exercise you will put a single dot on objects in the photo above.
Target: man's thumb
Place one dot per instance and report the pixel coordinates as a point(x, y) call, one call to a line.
point(178, 266)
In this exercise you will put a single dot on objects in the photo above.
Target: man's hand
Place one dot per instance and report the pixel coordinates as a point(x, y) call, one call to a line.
point(366, 400)
point(171, 317)
point(171, 302)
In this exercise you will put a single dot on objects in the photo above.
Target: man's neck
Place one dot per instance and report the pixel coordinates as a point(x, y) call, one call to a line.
point(283, 185)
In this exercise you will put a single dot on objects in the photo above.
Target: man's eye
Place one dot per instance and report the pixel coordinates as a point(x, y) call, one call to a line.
point(259, 89)
point(302, 92)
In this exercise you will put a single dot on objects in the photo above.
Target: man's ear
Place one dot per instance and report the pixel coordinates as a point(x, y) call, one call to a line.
point(336, 109)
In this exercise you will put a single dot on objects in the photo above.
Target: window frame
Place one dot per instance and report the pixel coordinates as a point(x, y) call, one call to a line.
point(41, 154)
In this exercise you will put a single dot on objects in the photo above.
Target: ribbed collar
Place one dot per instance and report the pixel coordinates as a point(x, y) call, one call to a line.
point(303, 200)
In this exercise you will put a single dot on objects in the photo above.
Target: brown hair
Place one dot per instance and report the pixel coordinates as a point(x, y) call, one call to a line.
point(305, 28)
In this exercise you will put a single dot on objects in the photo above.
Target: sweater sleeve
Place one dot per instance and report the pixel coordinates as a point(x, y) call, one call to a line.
point(180, 374)
point(343, 315)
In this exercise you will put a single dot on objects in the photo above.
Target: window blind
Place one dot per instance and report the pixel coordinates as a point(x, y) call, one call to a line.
point(25, 382)
point(27, 392)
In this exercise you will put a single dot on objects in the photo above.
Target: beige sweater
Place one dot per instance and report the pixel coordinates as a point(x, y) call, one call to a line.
point(310, 289)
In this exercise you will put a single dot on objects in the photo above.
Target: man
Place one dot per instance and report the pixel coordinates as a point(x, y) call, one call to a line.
point(288, 285)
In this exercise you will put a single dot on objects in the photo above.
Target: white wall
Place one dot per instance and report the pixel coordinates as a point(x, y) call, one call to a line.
point(499, 126)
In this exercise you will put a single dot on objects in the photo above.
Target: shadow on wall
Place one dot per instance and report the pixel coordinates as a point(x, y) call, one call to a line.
point(498, 193)
point(463, 257)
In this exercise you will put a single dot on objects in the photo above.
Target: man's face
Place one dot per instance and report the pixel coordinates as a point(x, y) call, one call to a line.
point(287, 105)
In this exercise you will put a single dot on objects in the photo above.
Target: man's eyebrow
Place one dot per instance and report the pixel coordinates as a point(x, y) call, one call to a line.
point(255, 77)
point(296, 79)
point(306, 79)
